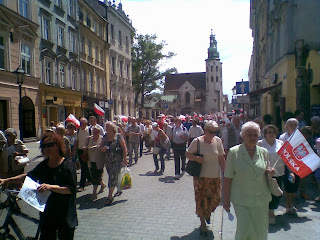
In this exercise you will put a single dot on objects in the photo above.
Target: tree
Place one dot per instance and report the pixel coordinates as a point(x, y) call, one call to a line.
point(147, 56)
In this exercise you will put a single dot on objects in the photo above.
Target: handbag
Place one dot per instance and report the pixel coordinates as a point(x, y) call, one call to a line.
point(193, 168)
point(155, 150)
point(85, 156)
point(273, 186)
point(166, 144)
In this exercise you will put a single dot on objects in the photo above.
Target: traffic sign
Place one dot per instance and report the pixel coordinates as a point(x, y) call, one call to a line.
point(242, 87)
point(243, 99)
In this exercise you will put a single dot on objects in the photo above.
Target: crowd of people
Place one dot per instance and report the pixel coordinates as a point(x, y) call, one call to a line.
point(242, 150)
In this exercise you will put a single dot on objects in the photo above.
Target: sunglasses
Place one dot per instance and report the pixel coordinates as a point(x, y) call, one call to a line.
point(47, 145)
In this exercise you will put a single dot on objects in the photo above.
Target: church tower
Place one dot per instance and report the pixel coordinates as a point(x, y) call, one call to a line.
point(214, 94)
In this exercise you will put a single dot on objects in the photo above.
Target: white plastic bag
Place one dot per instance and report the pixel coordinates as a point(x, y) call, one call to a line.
point(125, 180)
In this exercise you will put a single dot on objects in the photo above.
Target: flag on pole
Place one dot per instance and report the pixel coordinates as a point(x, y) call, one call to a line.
point(98, 110)
point(298, 155)
point(73, 119)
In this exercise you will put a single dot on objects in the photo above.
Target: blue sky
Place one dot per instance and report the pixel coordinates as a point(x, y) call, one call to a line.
point(186, 26)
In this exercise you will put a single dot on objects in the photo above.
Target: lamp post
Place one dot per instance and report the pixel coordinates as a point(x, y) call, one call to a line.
point(19, 73)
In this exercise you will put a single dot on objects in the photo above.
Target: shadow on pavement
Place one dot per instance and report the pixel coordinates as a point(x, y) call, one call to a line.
point(195, 234)
point(168, 179)
point(284, 221)
point(150, 173)
point(85, 202)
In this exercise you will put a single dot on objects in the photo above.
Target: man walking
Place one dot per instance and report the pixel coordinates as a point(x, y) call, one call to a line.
point(133, 133)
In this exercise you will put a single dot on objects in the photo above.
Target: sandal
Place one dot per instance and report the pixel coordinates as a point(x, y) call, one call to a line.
point(118, 194)
point(109, 202)
point(102, 188)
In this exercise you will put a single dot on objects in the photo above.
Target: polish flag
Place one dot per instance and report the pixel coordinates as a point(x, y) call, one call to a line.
point(98, 110)
point(298, 155)
point(73, 119)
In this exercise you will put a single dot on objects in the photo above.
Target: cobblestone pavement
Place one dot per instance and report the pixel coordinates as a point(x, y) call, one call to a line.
point(160, 207)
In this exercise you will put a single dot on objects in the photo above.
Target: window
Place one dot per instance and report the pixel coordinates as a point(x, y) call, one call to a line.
point(60, 36)
point(88, 21)
point(62, 75)
point(82, 44)
point(73, 77)
point(2, 64)
point(94, 25)
point(84, 80)
point(97, 53)
point(212, 79)
point(98, 84)
point(23, 8)
point(72, 42)
point(90, 48)
point(120, 38)
point(113, 67)
point(101, 56)
point(59, 3)
point(127, 42)
point(71, 8)
point(211, 68)
point(112, 31)
point(217, 79)
point(90, 82)
point(47, 74)
point(187, 96)
point(217, 69)
point(100, 30)
point(121, 67)
point(45, 28)
point(80, 14)
point(103, 81)
point(26, 58)
point(128, 71)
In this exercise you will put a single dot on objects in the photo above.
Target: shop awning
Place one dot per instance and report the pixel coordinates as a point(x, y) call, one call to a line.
point(261, 91)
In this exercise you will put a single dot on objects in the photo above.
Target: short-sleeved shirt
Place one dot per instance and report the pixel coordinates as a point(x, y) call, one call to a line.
point(195, 131)
point(210, 166)
point(135, 129)
point(60, 208)
point(249, 186)
point(81, 137)
point(95, 154)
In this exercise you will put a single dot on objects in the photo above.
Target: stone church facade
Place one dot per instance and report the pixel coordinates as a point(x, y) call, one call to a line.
point(199, 92)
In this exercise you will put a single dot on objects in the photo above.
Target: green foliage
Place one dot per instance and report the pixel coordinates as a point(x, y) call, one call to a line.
point(147, 56)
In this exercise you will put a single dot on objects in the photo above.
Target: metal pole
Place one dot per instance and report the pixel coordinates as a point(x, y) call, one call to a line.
point(20, 114)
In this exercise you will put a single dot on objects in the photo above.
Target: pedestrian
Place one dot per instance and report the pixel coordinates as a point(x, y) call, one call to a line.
point(291, 180)
point(231, 135)
point(61, 130)
point(93, 123)
point(113, 144)
point(142, 131)
point(13, 148)
point(273, 145)
point(299, 115)
point(246, 186)
point(147, 136)
point(133, 133)
point(187, 123)
point(71, 134)
point(97, 161)
point(161, 136)
point(207, 186)
point(194, 131)
point(82, 134)
point(168, 131)
point(180, 137)
point(58, 175)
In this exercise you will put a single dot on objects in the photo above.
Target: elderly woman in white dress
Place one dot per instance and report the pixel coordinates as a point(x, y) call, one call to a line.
point(273, 145)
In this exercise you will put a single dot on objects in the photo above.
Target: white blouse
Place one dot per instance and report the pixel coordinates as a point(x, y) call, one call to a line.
point(273, 155)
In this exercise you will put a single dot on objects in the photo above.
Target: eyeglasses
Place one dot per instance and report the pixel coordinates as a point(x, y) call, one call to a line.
point(47, 145)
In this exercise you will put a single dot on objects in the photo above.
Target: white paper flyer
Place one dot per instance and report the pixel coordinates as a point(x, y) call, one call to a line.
point(30, 195)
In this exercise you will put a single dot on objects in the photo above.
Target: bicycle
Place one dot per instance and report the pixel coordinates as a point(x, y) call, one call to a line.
point(12, 207)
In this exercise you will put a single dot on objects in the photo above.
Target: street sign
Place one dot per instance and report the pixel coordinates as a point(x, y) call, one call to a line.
point(242, 87)
point(243, 99)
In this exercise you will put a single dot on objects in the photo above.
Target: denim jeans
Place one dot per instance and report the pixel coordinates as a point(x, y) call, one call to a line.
point(155, 159)
point(133, 147)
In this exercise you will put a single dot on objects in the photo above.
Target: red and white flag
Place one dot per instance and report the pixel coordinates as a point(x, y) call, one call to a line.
point(98, 110)
point(298, 155)
point(73, 119)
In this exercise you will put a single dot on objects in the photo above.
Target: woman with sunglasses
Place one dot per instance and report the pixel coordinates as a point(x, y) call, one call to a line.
point(273, 145)
point(58, 175)
point(207, 186)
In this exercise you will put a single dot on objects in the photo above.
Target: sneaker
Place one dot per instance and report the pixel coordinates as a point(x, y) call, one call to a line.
point(161, 172)
point(177, 176)
point(80, 189)
point(291, 211)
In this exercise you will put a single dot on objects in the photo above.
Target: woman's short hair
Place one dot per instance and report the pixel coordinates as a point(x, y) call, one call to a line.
point(270, 126)
point(250, 125)
point(10, 131)
point(57, 139)
point(71, 124)
point(211, 124)
point(292, 120)
point(96, 128)
point(114, 126)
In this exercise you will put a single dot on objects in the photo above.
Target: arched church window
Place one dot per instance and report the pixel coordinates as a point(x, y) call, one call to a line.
point(187, 96)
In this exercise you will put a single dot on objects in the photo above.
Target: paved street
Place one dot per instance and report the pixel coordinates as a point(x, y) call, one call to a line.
point(160, 207)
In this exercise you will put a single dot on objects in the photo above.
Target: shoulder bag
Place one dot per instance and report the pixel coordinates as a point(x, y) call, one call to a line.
point(85, 156)
point(193, 167)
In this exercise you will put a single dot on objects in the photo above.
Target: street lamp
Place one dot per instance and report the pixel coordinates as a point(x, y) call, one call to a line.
point(19, 73)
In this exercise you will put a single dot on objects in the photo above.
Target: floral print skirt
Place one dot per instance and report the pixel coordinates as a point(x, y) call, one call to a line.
point(207, 195)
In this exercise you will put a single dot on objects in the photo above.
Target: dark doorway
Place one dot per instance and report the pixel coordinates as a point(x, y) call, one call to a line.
point(28, 118)
point(3, 115)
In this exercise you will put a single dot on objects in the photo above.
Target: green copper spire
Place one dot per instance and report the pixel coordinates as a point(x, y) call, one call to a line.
point(212, 50)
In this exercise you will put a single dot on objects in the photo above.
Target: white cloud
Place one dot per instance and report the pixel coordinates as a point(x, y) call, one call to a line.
point(186, 26)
